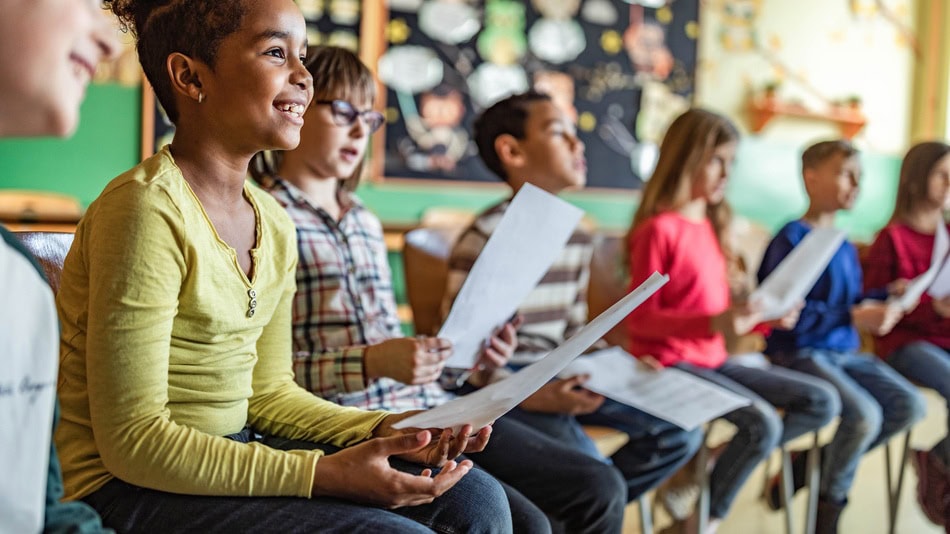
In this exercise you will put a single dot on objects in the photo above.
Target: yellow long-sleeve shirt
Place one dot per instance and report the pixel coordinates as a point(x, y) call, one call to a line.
point(159, 357)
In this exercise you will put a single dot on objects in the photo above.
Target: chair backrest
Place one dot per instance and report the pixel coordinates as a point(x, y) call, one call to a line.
point(49, 249)
point(425, 258)
point(33, 206)
point(607, 282)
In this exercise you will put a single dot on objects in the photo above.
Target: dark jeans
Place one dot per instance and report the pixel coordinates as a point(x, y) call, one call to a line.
point(876, 403)
point(928, 365)
point(655, 450)
point(476, 504)
point(580, 493)
point(808, 403)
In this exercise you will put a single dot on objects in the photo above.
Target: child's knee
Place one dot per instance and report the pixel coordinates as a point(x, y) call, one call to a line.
point(493, 513)
point(765, 430)
point(865, 421)
point(824, 402)
point(906, 409)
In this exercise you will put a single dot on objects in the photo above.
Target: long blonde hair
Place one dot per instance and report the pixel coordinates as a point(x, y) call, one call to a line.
point(689, 143)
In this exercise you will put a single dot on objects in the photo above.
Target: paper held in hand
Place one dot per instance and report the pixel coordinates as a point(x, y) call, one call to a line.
point(527, 241)
point(491, 402)
point(669, 394)
point(936, 279)
point(797, 273)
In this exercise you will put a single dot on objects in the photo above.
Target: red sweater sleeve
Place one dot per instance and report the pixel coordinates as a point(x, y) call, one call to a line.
point(880, 263)
point(658, 318)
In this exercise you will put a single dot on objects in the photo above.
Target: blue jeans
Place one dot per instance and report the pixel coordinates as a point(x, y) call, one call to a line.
point(928, 365)
point(876, 404)
point(655, 450)
point(476, 504)
point(579, 493)
point(808, 405)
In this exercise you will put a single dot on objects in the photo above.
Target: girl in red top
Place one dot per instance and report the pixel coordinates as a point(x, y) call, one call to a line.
point(918, 346)
point(679, 229)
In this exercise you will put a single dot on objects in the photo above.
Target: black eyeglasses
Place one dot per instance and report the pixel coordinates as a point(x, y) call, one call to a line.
point(344, 114)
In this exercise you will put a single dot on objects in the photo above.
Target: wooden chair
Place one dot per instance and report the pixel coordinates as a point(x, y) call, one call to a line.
point(49, 249)
point(607, 282)
point(425, 257)
point(38, 206)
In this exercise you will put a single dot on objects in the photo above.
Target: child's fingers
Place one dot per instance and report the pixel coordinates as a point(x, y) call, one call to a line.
point(478, 442)
point(400, 444)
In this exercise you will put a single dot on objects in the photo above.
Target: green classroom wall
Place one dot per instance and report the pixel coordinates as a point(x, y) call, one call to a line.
point(106, 143)
point(765, 184)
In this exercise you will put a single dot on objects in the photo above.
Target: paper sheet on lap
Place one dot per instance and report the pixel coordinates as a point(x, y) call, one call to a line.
point(669, 394)
point(491, 402)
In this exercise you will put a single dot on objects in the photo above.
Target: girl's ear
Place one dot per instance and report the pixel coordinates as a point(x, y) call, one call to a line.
point(185, 79)
point(509, 151)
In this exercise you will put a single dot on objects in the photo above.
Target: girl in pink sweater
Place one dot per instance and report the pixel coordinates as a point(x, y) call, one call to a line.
point(679, 229)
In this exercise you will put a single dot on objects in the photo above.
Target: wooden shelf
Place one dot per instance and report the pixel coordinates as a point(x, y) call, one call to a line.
point(849, 120)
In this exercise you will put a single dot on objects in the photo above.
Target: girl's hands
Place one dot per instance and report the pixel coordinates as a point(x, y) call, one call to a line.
point(408, 360)
point(876, 317)
point(362, 473)
point(942, 307)
point(790, 319)
point(897, 287)
point(437, 452)
point(736, 321)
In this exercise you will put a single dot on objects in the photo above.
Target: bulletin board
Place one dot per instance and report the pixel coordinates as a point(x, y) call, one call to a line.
point(336, 23)
point(621, 69)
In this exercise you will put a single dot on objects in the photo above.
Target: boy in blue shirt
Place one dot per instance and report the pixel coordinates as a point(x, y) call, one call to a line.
point(876, 401)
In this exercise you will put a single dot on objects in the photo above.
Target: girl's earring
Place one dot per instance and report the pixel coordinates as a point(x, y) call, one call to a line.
point(201, 97)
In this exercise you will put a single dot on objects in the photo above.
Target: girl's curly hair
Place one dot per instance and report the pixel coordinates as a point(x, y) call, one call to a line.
point(161, 27)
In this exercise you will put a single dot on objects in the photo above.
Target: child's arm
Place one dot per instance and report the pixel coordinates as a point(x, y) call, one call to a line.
point(880, 264)
point(654, 319)
point(881, 271)
point(352, 369)
point(134, 276)
point(816, 315)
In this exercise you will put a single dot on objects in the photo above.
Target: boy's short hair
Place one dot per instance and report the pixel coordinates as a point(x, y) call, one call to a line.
point(820, 152)
point(507, 116)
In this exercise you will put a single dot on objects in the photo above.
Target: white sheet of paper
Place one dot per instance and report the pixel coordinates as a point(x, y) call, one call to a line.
point(940, 287)
point(916, 287)
point(491, 402)
point(672, 395)
point(794, 277)
point(527, 241)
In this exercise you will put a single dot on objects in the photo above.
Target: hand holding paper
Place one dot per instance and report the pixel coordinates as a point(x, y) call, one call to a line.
point(487, 404)
point(527, 241)
point(794, 277)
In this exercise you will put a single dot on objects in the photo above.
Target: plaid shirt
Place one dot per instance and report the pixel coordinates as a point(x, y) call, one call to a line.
point(344, 303)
